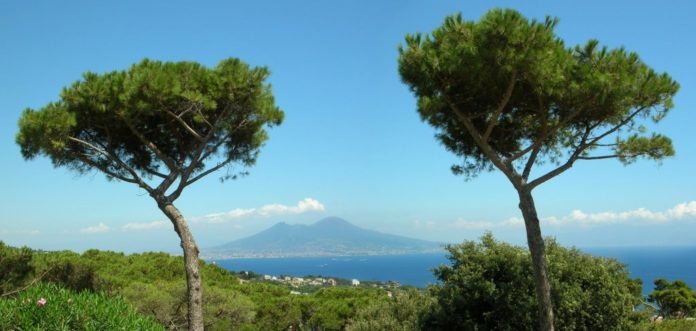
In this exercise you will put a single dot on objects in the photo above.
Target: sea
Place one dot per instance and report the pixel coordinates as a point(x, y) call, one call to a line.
point(646, 263)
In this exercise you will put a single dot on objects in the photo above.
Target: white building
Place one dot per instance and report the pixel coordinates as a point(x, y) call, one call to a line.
point(355, 282)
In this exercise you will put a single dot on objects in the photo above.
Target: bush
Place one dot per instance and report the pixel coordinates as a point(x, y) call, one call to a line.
point(490, 287)
point(334, 307)
point(74, 276)
point(154, 284)
point(63, 309)
point(667, 325)
point(15, 267)
point(404, 311)
point(675, 299)
point(166, 302)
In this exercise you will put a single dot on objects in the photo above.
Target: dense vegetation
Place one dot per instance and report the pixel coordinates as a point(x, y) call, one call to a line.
point(505, 93)
point(490, 287)
point(161, 126)
point(487, 286)
point(49, 307)
point(674, 299)
point(154, 285)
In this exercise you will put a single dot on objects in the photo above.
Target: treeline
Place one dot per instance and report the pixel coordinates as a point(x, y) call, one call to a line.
point(487, 286)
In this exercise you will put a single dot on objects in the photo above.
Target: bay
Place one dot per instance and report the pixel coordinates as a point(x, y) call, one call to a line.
point(411, 269)
point(650, 263)
point(646, 263)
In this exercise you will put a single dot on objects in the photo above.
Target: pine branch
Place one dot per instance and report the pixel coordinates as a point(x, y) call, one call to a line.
point(501, 106)
point(34, 281)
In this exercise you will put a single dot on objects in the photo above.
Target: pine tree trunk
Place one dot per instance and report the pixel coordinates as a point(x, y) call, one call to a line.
point(536, 248)
point(193, 276)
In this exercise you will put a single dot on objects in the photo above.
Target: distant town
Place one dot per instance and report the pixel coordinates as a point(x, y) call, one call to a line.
point(312, 283)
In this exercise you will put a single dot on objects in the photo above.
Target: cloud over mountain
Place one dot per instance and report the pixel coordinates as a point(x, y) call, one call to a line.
point(275, 209)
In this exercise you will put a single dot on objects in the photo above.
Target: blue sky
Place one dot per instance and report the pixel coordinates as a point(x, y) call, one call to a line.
point(352, 144)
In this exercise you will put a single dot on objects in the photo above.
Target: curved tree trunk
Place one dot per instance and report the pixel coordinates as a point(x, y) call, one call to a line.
point(536, 248)
point(193, 276)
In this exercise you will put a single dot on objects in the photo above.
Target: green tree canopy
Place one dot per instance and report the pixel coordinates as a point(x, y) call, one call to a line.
point(489, 287)
point(674, 299)
point(506, 93)
point(507, 90)
point(161, 126)
point(156, 120)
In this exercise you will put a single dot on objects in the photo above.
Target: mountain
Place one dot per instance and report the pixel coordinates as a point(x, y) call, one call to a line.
point(331, 236)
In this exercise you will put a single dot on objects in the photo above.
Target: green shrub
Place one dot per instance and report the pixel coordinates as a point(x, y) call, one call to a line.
point(166, 302)
point(667, 325)
point(334, 307)
point(67, 310)
point(404, 311)
point(675, 299)
point(15, 267)
point(154, 285)
point(490, 287)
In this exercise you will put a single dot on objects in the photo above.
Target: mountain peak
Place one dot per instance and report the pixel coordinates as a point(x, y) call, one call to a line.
point(332, 221)
point(331, 236)
point(280, 225)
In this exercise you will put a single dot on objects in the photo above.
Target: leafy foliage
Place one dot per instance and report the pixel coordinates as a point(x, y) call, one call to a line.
point(181, 117)
point(405, 311)
point(154, 115)
point(334, 307)
point(15, 267)
point(506, 93)
point(67, 310)
point(153, 284)
point(667, 325)
point(675, 299)
point(505, 87)
point(489, 287)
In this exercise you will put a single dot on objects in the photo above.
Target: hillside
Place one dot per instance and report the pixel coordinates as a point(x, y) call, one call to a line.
point(328, 237)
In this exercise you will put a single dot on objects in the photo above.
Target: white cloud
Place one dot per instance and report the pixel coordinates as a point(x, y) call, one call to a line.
point(303, 206)
point(686, 210)
point(514, 221)
point(101, 228)
point(679, 212)
point(145, 226)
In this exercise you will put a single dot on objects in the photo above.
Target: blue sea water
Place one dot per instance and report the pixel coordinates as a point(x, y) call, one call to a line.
point(646, 263)
point(413, 269)
point(650, 263)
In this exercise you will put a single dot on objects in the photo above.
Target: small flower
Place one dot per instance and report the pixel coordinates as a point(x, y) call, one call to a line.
point(69, 301)
point(41, 302)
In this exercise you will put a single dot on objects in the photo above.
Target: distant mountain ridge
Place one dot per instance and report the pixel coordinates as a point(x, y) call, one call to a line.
point(330, 236)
